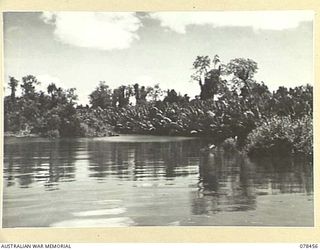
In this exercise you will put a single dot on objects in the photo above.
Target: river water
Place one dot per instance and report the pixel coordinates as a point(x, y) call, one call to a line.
point(149, 181)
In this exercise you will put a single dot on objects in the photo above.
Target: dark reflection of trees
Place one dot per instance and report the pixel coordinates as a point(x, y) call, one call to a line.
point(283, 175)
point(108, 159)
point(224, 184)
point(137, 161)
point(229, 181)
point(33, 160)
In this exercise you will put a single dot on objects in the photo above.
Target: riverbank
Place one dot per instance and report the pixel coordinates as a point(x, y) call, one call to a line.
point(278, 136)
point(23, 134)
point(19, 134)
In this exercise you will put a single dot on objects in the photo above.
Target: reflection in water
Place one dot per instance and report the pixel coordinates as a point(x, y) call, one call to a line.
point(284, 175)
point(143, 160)
point(229, 181)
point(50, 162)
point(225, 183)
point(46, 162)
point(157, 181)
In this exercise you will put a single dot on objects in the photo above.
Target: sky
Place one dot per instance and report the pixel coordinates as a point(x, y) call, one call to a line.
point(80, 49)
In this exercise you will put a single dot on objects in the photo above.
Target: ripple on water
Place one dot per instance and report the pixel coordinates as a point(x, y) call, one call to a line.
point(110, 222)
point(119, 210)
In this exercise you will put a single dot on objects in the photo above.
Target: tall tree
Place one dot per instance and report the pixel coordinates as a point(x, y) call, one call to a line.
point(13, 84)
point(28, 85)
point(216, 61)
point(201, 66)
point(137, 93)
point(209, 78)
point(243, 71)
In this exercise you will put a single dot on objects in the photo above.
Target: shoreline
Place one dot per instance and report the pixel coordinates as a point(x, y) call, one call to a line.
point(226, 145)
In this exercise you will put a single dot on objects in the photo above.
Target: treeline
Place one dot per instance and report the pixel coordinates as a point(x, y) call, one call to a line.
point(231, 106)
point(50, 114)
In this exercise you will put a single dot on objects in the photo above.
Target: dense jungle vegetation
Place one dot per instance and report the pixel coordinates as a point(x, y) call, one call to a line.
point(232, 107)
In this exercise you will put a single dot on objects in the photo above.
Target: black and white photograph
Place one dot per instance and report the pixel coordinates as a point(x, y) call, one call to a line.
point(162, 118)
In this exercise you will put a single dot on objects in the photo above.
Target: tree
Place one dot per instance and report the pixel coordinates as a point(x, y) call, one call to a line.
point(121, 96)
point(209, 78)
point(28, 85)
point(13, 84)
point(52, 89)
point(137, 92)
point(154, 93)
point(140, 93)
point(216, 61)
point(171, 97)
point(201, 66)
point(101, 96)
point(143, 94)
point(61, 118)
point(71, 95)
point(243, 70)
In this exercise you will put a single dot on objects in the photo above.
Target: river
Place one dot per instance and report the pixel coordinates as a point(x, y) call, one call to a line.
point(149, 181)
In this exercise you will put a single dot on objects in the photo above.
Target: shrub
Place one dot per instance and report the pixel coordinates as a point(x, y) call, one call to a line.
point(53, 133)
point(282, 136)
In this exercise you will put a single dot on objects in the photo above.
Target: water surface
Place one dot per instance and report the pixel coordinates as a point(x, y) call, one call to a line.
point(149, 181)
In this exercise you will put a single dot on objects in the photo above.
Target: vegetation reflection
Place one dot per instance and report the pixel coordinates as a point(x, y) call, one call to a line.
point(230, 181)
point(46, 162)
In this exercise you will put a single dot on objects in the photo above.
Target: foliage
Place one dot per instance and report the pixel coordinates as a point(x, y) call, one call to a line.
point(219, 119)
point(209, 78)
point(241, 68)
point(201, 66)
point(93, 122)
point(101, 96)
point(282, 136)
point(28, 85)
point(233, 108)
point(38, 113)
point(13, 84)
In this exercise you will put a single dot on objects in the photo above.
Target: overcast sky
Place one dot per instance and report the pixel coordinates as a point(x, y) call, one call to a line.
point(79, 49)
